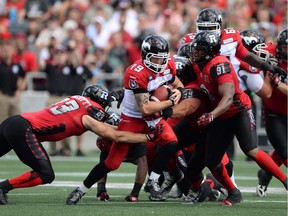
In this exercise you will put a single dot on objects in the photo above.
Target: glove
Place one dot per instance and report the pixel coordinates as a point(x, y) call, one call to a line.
point(275, 79)
point(205, 119)
point(170, 97)
point(166, 113)
point(154, 133)
point(117, 96)
point(273, 69)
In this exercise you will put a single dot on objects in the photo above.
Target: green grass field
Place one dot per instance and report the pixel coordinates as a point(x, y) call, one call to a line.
point(49, 200)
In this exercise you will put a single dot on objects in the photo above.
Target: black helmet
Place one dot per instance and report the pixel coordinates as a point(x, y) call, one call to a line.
point(155, 47)
point(113, 118)
point(142, 35)
point(282, 43)
point(98, 94)
point(209, 19)
point(205, 46)
point(254, 42)
point(184, 69)
point(184, 50)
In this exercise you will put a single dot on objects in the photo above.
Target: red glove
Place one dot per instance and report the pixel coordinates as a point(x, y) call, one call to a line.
point(205, 119)
point(154, 133)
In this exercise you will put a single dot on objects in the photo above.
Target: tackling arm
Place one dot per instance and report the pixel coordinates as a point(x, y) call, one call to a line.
point(186, 107)
point(107, 132)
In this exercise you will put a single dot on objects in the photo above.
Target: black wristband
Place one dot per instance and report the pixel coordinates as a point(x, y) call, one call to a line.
point(168, 112)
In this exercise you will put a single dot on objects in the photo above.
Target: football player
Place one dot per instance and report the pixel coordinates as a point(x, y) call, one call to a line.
point(231, 114)
point(253, 79)
point(190, 108)
point(136, 155)
point(275, 114)
point(72, 116)
point(154, 69)
point(210, 19)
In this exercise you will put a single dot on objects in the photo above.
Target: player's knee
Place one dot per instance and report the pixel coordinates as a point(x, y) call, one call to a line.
point(170, 147)
point(112, 165)
point(211, 165)
point(47, 177)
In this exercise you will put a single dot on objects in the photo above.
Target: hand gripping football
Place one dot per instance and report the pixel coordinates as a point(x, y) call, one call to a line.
point(162, 93)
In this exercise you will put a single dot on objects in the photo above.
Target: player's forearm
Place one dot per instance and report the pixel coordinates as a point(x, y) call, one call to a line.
point(184, 109)
point(283, 88)
point(128, 137)
point(152, 107)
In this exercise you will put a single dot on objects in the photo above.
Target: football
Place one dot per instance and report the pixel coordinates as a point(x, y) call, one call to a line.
point(160, 94)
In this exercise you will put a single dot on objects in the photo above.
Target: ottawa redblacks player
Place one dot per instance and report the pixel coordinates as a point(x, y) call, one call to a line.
point(231, 114)
point(210, 19)
point(275, 113)
point(154, 69)
point(71, 116)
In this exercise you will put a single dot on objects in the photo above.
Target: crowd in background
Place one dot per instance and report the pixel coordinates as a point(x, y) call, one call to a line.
point(82, 38)
point(102, 34)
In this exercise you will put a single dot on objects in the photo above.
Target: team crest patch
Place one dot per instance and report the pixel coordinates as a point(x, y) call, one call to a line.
point(133, 84)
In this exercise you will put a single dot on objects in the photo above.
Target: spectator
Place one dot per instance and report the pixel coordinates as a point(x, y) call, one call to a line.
point(11, 82)
point(97, 8)
point(98, 32)
point(124, 8)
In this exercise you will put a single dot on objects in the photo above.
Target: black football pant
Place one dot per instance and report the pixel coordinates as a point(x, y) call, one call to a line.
point(16, 133)
point(221, 133)
point(276, 129)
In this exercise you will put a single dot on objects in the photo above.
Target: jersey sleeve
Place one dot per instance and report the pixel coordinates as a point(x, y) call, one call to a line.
point(222, 71)
point(134, 78)
point(241, 51)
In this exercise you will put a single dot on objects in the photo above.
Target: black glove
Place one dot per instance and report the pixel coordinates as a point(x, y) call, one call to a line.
point(273, 69)
point(205, 119)
point(117, 96)
point(166, 113)
point(154, 132)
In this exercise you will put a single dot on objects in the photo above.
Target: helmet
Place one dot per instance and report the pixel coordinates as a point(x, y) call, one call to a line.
point(155, 47)
point(205, 46)
point(184, 50)
point(184, 69)
point(98, 94)
point(187, 38)
point(282, 43)
point(142, 35)
point(113, 118)
point(254, 41)
point(209, 19)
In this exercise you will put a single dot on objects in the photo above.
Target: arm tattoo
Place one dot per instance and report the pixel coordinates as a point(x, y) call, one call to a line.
point(142, 98)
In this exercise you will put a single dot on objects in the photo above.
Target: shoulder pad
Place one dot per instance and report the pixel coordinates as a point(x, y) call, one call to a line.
point(220, 69)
